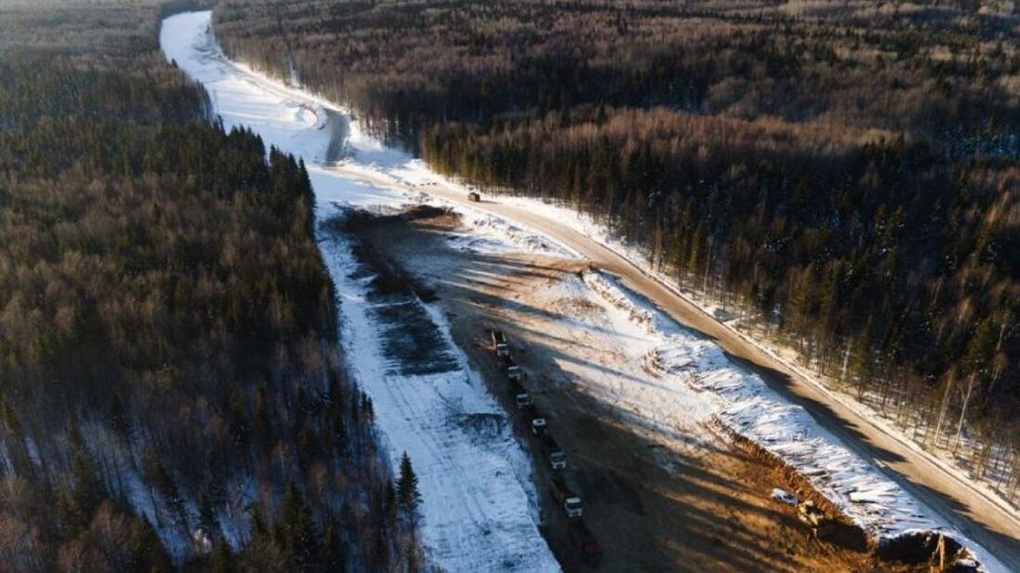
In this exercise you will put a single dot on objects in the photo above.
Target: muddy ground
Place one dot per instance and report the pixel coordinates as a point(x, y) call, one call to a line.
point(654, 505)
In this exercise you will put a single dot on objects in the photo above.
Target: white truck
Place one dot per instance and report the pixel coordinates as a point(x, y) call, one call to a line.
point(499, 344)
point(536, 421)
point(521, 396)
point(557, 459)
point(564, 495)
point(513, 371)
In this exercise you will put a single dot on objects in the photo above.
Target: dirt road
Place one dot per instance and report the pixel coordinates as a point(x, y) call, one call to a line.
point(956, 501)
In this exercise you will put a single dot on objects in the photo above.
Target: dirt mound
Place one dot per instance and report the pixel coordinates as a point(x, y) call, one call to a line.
point(924, 547)
point(835, 527)
point(484, 425)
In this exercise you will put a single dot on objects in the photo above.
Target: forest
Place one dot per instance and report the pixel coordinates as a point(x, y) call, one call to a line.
point(844, 175)
point(172, 394)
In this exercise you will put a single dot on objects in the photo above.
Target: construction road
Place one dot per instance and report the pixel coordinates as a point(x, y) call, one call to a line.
point(957, 501)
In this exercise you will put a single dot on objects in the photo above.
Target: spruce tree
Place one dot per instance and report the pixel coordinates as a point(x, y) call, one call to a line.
point(407, 486)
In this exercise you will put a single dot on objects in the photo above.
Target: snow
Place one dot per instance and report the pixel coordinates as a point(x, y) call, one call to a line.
point(784, 496)
point(478, 501)
point(742, 402)
point(491, 234)
point(479, 510)
point(479, 506)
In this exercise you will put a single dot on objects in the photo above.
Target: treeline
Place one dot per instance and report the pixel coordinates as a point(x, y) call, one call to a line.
point(878, 250)
point(845, 174)
point(171, 390)
point(943, 74)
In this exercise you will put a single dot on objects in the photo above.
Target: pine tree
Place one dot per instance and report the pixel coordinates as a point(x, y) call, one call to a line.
point(407, 486)
point(147, 552)
point(222, 560)
point(299, 537)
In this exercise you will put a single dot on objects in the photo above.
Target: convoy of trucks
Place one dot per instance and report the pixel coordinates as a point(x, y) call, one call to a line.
point(565, 495)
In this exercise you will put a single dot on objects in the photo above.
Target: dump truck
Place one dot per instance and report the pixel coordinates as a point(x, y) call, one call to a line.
point(582, 538)
point(538, 425)
point(513, 371)
point(521, 396)
point(499, 344)
point(553, 454)
point(566, 497)
point(536, 421)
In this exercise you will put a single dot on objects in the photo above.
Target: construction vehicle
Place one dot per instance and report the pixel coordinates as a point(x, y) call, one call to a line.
point(557, 459)
point(499, 344)
point(538, 425)
point(566, 497)
point(521, 396)
point(536, 421)
point(513, 371)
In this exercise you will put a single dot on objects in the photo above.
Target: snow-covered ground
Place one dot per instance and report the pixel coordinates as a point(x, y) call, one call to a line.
point(479, 503)
point(479, 506)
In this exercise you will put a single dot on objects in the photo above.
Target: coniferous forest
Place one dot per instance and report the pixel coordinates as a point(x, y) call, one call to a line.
point(842, 175)
point(171, 391)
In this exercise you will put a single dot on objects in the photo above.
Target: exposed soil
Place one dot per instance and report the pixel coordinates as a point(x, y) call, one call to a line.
point(653, 505)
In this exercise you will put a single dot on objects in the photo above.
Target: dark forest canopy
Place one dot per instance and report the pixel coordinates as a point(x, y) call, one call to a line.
point(928, 71)
point(847, 171)
point(168, 358)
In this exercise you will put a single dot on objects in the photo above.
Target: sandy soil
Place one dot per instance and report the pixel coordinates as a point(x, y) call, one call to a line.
point(654, 504)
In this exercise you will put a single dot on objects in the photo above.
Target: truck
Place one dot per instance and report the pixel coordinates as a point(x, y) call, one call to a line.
point(566, 497)
point(513, 371)
point(474, 197)
point(521, 396)
point(582, 539)
point(499, 344)
point(553, 454)
point(538, 423)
